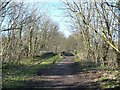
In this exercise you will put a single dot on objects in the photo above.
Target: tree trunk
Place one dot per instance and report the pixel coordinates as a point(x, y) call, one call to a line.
point(105, 52)
point(118, 54)
point(30, 42)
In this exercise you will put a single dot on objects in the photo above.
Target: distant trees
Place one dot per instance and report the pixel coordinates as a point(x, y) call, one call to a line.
point(26, 31)
point(96, 24)
point(71, 43)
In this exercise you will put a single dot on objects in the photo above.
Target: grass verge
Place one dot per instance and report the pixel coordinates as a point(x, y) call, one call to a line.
point(109, 78)
point(15, 75)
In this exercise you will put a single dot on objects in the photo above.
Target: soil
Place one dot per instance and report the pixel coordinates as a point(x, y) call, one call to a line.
point(66, 74)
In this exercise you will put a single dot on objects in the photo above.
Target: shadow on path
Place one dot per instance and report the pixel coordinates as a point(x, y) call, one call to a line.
point(66, 74)
point(63, 68)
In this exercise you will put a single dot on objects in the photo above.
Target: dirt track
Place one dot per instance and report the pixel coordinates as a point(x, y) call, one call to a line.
point(66, 74)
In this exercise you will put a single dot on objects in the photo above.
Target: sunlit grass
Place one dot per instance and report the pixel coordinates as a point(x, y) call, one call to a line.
point(76, 59)
point(16, 75)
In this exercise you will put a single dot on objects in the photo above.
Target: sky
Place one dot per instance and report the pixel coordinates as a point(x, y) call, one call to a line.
point(52, 8)
point(58, 16)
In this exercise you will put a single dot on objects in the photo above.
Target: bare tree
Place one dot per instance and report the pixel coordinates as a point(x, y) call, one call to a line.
point(97, 22)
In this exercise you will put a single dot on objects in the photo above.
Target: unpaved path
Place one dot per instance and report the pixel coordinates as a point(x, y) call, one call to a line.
point(66, 74)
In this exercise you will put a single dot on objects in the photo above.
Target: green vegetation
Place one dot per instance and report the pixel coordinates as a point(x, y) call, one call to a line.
point(15, 75)
point(109, 78)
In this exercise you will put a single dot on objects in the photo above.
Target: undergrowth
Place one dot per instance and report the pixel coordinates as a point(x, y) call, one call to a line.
point(15, 75)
